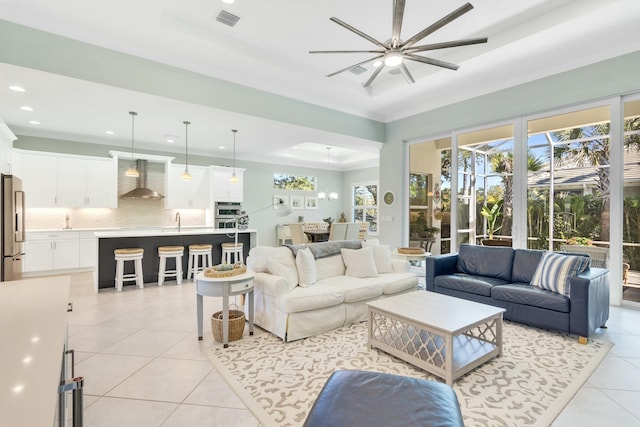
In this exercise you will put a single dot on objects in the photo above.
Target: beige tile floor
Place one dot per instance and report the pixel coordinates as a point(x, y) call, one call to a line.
point(143, 365)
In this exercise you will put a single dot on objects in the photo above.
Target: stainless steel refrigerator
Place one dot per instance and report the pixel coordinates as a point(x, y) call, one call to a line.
point(12, 228)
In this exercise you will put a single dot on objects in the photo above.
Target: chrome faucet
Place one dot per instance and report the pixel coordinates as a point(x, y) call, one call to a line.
point(178, 219)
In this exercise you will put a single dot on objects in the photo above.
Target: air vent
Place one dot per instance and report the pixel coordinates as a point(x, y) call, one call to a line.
point(227, 18)
point(358, 69)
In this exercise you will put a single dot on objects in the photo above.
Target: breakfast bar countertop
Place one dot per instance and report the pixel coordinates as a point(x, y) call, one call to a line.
point(167, 231)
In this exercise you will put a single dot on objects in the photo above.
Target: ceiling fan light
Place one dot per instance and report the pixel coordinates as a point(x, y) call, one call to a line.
point(393, 59)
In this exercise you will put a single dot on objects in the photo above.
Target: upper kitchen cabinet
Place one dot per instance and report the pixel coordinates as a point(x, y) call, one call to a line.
point(64, 181)
point(222, 189)
point(87, 183)
point(194, 194)
point(40, 180)
point(6, 148)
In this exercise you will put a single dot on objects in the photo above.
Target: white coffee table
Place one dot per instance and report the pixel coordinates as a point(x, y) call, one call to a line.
point(224, 287)
point(443, 335)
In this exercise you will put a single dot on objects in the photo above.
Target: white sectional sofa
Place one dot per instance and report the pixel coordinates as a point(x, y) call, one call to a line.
point(306, 290)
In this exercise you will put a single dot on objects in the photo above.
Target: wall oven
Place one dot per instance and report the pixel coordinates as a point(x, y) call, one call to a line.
point(225, 214)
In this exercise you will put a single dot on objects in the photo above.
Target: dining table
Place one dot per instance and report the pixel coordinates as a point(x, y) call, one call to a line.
point(317, 235)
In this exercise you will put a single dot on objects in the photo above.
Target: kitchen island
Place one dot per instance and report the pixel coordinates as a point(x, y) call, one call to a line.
point(151, 239)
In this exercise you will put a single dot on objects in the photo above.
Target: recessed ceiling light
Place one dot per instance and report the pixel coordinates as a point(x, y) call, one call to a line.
point(17, 88)
point(26, 108)
point(170, 138)
point(221, 147)
point(109, 132)
point(229, 1)
point(34, 122)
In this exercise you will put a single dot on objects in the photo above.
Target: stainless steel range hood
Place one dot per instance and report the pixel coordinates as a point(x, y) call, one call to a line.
point(142, 191)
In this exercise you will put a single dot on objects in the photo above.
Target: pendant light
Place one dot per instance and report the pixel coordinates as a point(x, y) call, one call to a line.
point(234, 178)
point(328, 195)
point(132, 171)
point(186, 176)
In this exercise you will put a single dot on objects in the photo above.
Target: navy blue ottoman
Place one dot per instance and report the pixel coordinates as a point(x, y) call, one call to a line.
point(373, 399)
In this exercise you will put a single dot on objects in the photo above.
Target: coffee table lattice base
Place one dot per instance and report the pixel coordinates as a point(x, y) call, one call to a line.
point(427, 348)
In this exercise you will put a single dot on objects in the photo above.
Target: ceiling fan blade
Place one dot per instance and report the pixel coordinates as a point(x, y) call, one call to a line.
point(358, 32)
point(446, 45)
point(398, 14)
point(407, 75)
point(439, 24)
point(347, 51)
point(373, 76)
point(355, 65)
point(431, 61)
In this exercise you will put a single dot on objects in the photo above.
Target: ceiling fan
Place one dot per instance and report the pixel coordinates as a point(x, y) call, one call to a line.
point(395, 51)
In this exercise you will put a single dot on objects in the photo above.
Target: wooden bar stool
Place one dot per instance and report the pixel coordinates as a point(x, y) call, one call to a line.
point(129, 254)
point(232, 249)
point(165, 252)
point(195, 252)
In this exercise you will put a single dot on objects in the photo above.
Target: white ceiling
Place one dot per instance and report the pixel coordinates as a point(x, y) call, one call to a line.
point(268, 50)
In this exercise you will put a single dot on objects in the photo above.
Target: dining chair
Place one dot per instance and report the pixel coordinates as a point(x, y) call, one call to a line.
point(353, 231)
point(338, 231)
point(297, 234)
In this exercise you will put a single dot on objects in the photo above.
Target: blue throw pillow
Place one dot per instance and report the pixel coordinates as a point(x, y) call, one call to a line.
point(555, 271)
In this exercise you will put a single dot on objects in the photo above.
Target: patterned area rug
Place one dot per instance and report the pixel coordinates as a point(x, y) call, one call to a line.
point(530, 384)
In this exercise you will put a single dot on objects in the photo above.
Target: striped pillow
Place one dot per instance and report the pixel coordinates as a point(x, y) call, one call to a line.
point(555, 271)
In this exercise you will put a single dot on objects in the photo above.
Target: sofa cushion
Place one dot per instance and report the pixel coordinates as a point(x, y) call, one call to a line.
point(381, 256)
point(278, 267)
point(555, 271)
point(329, 267)
point(258, 256)
point(354, 288)
point(310, 298)
point(525, 263)
point(359, 262)
point(523, 293)
point(473, 284)
point(392, 283)
point(307, 273)
point(485, 261)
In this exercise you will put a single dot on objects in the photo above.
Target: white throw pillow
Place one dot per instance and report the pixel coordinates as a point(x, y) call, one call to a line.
point(359, 262)
point(381, 256)
point(306, 263)
point(330, 266)
point(555, 271)
point(278, 268)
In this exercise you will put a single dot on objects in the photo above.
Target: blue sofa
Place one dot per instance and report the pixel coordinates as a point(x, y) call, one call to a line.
point(500, 276)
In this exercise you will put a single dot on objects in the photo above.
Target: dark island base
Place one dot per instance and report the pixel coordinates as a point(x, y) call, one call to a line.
point(151, 261)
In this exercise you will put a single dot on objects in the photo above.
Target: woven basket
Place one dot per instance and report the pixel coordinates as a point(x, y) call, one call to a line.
point(411, 251)
point(236, 325)
point(212, 272)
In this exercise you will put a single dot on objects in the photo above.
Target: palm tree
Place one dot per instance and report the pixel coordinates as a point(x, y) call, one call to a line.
point(502, 163)
point(589, 146)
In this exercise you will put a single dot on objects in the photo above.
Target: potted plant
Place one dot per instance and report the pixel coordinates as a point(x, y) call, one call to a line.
point(492, 215)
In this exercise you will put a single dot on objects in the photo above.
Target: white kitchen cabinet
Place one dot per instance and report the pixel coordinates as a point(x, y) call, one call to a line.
point(194, 194)
point(88, 249)
point(40, 180)
point(222, 189)
point(66, 181)
point(48, 251)
point(86, 183)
